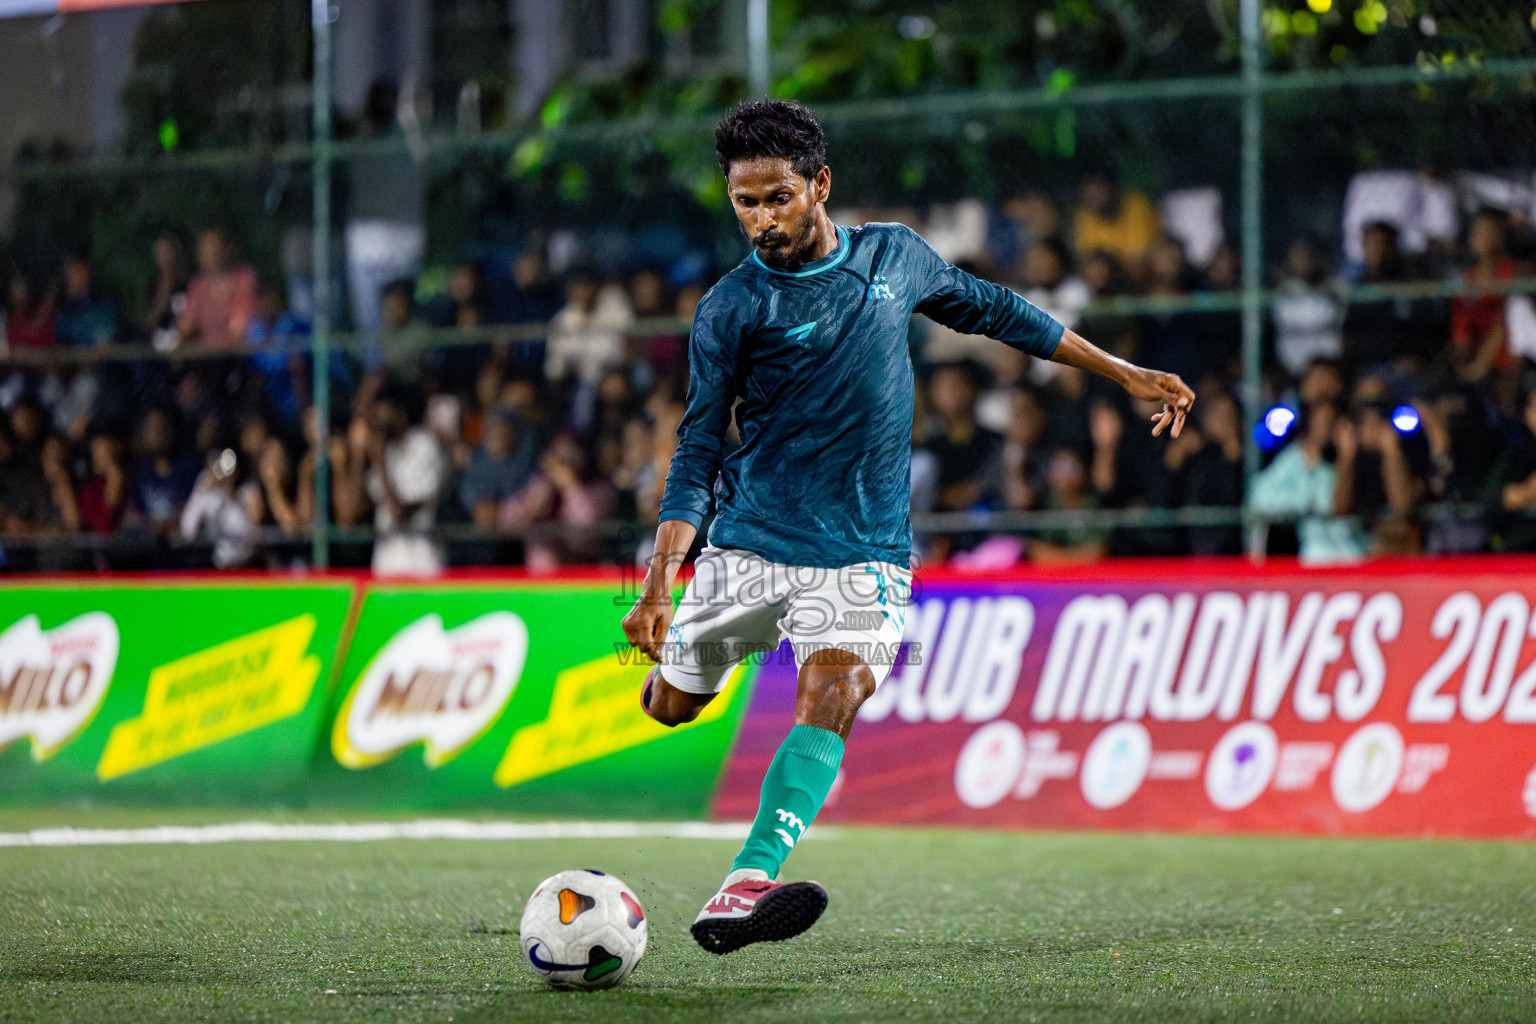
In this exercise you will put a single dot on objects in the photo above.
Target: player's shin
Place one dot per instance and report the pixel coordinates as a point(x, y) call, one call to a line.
point(796, 784)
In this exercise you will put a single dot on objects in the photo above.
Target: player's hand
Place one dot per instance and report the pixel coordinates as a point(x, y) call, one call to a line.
point(1177, 398)
point(647, 623)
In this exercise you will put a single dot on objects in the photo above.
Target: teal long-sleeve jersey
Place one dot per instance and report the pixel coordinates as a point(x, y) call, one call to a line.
point(818, 356)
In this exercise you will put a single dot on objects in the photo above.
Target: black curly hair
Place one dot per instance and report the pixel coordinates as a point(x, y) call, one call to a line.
point(769, 128)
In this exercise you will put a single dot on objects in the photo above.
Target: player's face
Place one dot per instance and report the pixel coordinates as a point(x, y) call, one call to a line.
point(777, 208)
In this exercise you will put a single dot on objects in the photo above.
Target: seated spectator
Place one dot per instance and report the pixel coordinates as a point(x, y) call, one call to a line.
point(167, 298)
point(536, 293)
point(1478, 339)
point(1067, 398)
point(1048, 285)
point(405, 474)
point(1114, 482)
point(633, 475)
point(29, 427)
point(535, 299)
point(967, 454)
point(1213, 472)
point(1376, 480)
point(587, 335)
point(304, 474)
point(1301, 483)
point(30, 325)
point(85, 319)
point(1224, 270)
point(1177, 342)
point(466, 297)
point(219, 511)
point(1518, 494)
point(273, 326)
point(1322, 382)
point(661, 352)
point(274, 496)
point(1420, 209)
point(1391, 335)
point(404, 338)
point(585, 338)
point(1067, 490)
point(1307, 316)
point(104, 494)
point(1124, 224)
point(1025, 455)
point(1131, 469)
point(1025, 217)
point(77, 395)
point(561, 496)
point(31, 489)
point(616, 404)
point(498, 468)
point(221, 299)
point(162, 476)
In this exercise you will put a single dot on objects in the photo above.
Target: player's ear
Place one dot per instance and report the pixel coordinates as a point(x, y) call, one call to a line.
point(821, 185)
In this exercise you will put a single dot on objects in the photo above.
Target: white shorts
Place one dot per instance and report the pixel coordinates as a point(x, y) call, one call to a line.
point(741, 605)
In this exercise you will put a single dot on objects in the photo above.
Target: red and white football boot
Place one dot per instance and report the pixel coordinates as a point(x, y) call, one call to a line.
point(757, 910)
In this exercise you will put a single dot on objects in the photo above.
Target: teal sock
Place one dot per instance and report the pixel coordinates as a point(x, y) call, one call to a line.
point(794, 787)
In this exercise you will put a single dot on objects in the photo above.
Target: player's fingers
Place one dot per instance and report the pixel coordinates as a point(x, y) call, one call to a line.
point(1178, 423)
point(1163, 418)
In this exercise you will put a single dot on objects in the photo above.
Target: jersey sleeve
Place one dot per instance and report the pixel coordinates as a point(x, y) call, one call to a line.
point(713, 346)
point(949, 296)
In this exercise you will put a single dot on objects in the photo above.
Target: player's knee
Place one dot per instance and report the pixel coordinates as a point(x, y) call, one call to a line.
point(667, 704)
point(837, 682)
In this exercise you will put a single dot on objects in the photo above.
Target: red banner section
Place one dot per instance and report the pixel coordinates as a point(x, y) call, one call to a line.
point(1386, 700)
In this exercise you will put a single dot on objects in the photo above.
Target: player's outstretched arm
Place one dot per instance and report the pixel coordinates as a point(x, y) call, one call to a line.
point(646, 624)
point(1151, 385)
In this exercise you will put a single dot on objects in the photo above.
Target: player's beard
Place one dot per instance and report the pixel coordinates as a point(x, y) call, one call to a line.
point(772, 251)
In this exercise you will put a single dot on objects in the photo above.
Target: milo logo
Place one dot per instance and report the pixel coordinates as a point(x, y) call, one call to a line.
point(52, 681)
point(428, 685)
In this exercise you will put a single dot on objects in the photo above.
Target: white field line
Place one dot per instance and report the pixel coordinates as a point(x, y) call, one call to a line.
point(364, 832)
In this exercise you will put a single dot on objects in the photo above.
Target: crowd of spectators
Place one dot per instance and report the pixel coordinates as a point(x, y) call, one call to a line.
point(538, 450)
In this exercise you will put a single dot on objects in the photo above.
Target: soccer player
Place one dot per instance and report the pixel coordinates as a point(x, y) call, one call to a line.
point(811, 536)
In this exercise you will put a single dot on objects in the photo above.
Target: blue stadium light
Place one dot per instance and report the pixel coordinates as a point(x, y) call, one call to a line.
point(1279, 421)
point(1273, 427)
point(1406, 419)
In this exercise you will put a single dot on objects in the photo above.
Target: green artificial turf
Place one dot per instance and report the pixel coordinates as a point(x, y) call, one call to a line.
point(923, 926)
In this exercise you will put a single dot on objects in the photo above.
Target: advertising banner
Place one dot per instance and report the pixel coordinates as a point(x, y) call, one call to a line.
point(512, 696)
point(166, 692)
point(1385, 700)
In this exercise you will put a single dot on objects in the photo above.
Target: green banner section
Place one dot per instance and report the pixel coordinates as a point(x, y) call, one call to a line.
point(165, 692)
point(517, 697)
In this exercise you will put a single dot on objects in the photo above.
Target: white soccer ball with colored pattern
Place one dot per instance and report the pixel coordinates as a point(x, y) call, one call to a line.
point(583, 929)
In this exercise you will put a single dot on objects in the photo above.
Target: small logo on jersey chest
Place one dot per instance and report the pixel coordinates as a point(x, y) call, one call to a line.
point(801, 333)
point(879, 289)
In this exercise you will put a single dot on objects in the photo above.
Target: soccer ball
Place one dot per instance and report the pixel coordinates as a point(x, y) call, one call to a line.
point(583, 929)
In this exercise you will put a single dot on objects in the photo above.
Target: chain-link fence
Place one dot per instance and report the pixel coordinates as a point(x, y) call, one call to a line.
point(490, 364)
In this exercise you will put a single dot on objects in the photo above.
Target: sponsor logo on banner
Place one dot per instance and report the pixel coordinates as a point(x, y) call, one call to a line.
point(990, 764)
point(595, 711)
point(223, 691)
point(1241, 765)
point(52, 681)
point(1116, 764)
point(1367, 767)
point(439, 687)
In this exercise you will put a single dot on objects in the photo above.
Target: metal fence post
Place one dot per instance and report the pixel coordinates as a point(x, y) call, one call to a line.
point(758, 49)
point(321, 14)
point(1252, 219)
